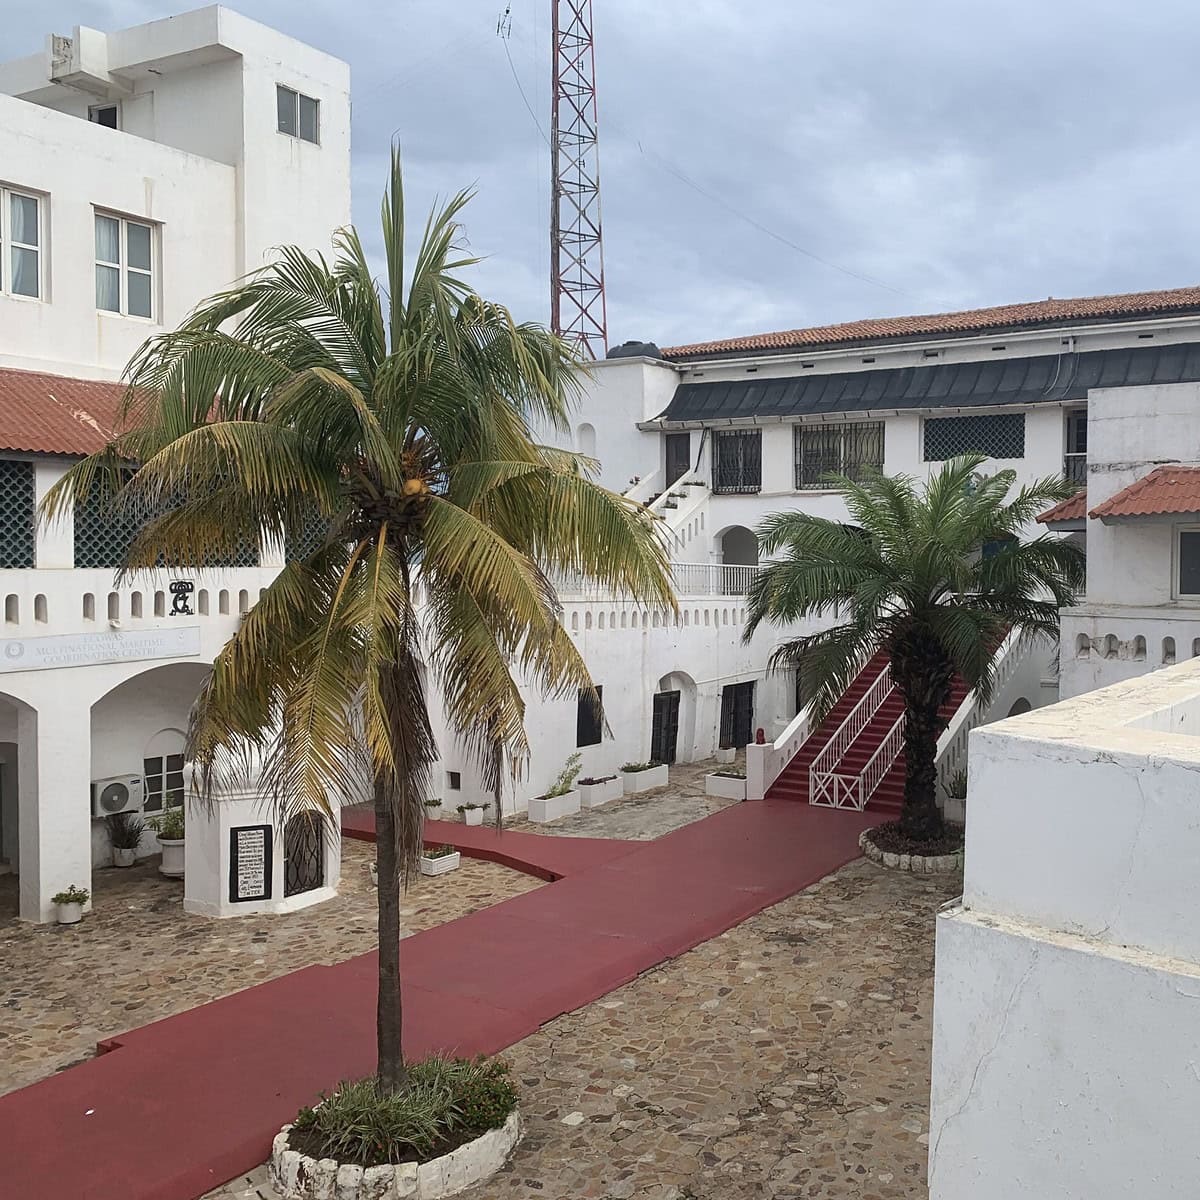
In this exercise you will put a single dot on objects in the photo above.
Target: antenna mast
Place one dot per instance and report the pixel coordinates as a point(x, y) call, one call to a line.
point(577, 309)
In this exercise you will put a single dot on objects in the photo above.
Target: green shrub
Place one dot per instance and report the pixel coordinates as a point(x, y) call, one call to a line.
point(169, 824)
point(447, 1101)
point(73, 895)
point(125, 830)
point(566, 777)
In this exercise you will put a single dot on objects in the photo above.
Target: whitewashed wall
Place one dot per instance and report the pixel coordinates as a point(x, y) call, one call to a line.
point(1067, 979)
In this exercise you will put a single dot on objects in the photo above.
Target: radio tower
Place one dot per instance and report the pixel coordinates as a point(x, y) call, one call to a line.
point(577, 310)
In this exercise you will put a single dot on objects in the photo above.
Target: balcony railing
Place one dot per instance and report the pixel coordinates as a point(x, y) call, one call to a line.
point(1075, 468)
point(688, 579)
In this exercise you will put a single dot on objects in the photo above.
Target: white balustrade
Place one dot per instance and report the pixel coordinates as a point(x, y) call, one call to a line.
point(765, 763)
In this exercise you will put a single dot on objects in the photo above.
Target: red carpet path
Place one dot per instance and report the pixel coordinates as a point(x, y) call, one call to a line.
point(178, 1107)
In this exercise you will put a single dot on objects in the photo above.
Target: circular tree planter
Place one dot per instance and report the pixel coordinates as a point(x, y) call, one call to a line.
point(916, 864)
point(299, 1177)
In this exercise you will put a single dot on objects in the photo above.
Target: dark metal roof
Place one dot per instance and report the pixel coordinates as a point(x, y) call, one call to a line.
point(1047, 377)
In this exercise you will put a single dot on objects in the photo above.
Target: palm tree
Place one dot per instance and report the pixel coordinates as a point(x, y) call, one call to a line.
point(399, 422)
point(935, 576)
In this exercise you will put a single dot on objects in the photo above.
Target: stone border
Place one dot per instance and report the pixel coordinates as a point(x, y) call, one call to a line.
point(917, 864)
point(299, 1177)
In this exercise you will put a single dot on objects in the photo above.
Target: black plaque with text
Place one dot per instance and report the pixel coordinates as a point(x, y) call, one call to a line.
point(250, 863)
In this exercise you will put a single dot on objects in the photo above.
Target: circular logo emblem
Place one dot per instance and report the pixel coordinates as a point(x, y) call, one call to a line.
point(14, 650)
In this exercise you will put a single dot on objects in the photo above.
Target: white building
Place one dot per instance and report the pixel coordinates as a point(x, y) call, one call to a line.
point(140, 171)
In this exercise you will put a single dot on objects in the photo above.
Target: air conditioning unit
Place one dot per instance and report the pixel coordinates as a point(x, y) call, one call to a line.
point(121, 793)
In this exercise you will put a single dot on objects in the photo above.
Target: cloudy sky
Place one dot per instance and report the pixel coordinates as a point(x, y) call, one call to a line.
point(768, 164)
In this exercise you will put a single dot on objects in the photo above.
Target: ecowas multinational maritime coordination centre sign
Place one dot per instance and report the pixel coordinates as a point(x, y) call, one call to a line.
point(93, 649)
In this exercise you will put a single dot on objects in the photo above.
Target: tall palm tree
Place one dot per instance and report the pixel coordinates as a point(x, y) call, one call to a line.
point(400, 421)
point(936, 577)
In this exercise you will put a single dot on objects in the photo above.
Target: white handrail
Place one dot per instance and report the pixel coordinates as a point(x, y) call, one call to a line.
point(882, 761)
point(856, 720)
point(952, 745)
point(765, 763)
point(841, 789)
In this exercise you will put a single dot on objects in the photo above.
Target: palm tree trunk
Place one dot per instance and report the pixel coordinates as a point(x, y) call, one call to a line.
point(925, 678)
point(391, 1070)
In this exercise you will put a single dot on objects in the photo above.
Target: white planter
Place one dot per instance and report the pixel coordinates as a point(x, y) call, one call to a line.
point(434, 812)
point(724, 785)
point(643, 781)
point(69, 914)
point(592, 795)
point(296, 1176)
point(550, 808)
point(172, 858)
point(726, 755)
point(440, 865)
point(124, 858)
point(472, 816)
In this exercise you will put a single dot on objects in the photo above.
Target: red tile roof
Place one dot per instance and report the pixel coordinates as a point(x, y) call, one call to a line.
point(976, 320)
point(1072, 509)
point(1165, 490)
point(55, 414)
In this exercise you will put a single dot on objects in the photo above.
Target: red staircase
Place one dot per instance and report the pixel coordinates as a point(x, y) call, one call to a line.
point(888, 797)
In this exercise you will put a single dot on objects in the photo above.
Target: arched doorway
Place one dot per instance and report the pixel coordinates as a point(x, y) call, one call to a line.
point(739, 547)
point(304, 853)
point(1021, 706)
point(673, 721)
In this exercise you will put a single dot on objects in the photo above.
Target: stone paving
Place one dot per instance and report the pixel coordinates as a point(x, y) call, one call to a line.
point(785, 1059)
point(645, 815)
point(138, 957)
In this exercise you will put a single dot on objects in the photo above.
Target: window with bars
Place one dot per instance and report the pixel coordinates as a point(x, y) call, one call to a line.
point(164, 782)
point(998, 435)
point(308, 540)
point(17, 546)
point(737, 461)
point(852, 449)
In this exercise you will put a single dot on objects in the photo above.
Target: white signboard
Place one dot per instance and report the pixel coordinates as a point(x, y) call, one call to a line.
point(91, 649)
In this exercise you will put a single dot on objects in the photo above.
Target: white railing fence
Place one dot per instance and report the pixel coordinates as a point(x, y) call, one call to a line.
point(826, 785)
point(765, 763)
point(952, 745)
point(687, 579)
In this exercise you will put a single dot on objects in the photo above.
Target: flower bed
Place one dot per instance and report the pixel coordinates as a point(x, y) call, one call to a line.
point(886, 845)
point(454, 1125)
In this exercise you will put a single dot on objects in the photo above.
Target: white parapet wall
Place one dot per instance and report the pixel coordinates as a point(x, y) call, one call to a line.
point(1066, 1057)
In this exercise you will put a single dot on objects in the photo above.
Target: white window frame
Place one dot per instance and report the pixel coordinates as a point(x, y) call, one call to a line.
point(298, 95)
point(1177, 591)
point(163, 793)
point(124, 269)
point(7, 244)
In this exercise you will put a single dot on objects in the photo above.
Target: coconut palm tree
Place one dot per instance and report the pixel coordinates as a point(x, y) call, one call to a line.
point(935, 576)
point(398, 422)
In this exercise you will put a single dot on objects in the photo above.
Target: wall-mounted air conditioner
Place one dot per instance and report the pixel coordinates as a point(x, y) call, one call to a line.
point(121, 793)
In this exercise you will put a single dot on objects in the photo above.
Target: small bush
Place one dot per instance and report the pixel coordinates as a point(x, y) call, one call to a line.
point(73, 895)
point(462, 808)
point(125, 830)
point(169, 825)
point(437, 851)
point(447, 1101)
point(566, 777)
point(436, 803)
point(646, 766)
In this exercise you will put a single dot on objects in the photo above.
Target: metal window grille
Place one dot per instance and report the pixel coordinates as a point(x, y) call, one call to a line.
point(304, 847)
point(737, 461)
point(852, 449)
point(308, 540)
point(102, 535)
point(998, 435)
point(16, 514)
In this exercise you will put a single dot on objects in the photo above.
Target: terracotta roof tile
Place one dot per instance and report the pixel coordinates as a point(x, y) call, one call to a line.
point(976, 320)
point(56, 414)
point(1072, 509)
point(1165, 490)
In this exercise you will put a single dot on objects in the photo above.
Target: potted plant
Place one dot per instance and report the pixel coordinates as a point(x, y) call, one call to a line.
point(599, 790)
point(125, 833)
point(561, 798)
point(729, 783)
point(726, 753)
point(434, 809)
point(641, 777)
point(70, 904)
point(437, 860)
point(472, 814)
point(955, 806)
point(170, 829)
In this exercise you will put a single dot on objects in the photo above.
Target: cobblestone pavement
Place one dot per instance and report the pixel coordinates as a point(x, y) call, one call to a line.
point(785, 1059)
point(644, 816)
point(138, 957)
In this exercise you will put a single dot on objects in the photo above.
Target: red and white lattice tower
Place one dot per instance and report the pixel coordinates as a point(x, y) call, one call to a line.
point(577, 310)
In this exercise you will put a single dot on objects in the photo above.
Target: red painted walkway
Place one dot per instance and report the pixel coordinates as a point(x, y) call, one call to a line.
point(178, 1107)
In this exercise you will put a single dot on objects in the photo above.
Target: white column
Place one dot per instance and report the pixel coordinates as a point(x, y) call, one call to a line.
point(53, 785)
